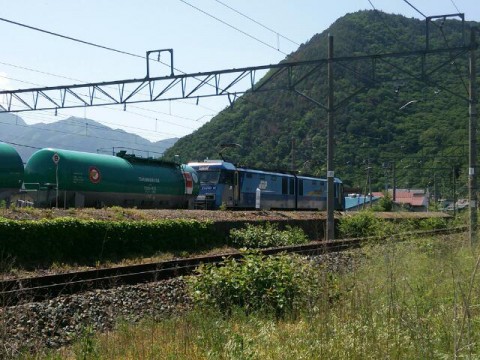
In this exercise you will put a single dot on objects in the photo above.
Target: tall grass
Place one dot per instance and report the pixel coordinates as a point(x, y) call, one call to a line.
point(408, 300)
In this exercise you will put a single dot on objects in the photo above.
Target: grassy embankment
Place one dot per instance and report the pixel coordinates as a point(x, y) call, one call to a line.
point(410, 300)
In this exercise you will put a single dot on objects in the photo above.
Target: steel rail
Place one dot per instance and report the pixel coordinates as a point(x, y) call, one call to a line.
point(15, 291)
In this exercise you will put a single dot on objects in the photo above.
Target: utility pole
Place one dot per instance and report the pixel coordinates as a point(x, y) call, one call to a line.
point(394, 184)
point(330, 172)
point(454, 193)
point(369, 182)
point(472, 176)
point(293, 154)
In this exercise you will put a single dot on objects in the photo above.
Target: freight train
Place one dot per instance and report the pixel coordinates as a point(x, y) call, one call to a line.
point(11, 173)
point(223, 184)
point(67, 178)
point(64, 178)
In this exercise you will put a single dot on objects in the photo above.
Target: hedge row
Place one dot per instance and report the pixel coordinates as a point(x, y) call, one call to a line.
point(67, 240)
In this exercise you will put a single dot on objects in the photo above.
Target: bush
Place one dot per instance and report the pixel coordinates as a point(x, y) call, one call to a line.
point(385, 203)
point(266, 235)
point(67, 240)
point(362, 224)
point(432, 224)
point(276, 285)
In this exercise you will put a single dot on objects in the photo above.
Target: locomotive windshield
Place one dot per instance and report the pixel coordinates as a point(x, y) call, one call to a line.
point(209, 177)
point(213, 177)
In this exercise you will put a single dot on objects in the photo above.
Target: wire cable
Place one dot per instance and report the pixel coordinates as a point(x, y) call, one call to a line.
point(455, 5)
point(233, 27)
point(108, 107)
point(257, 22)
point(414, 8)
point(70, 38)
point(16, 144)
point(393, 33)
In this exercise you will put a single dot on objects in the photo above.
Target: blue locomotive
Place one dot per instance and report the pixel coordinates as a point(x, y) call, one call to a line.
point(224, 184)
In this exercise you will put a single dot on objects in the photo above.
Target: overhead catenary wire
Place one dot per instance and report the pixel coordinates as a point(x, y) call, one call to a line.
point(85, 42)
point(101, 46)
point(82, 133)
point(258, 23)
point(455, 5)
point(94, 45)
point(231, 26)
point(74, 79)
point(414, 8)
point(115, 109)
point(393, 33)
point(70, 38)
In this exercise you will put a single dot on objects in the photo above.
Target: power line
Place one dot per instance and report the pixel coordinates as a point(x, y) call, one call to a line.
point(233, 27)
point(394, 34)
point(16, 144)
point(82, 133)
point(84, 42)
point(73, 79)
point(455, 5)
point(414, 8)
point(121, 51)
point(107, 107)
point(258, 23)
point(39, 71)
point(70, 38)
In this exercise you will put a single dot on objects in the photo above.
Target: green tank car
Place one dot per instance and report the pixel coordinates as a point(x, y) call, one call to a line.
point(78, 179)
point(11, 172)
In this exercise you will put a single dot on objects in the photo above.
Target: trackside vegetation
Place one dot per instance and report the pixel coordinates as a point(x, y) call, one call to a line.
point(415, 299)
point(277, 285)
point(266, 235)
point(366, 223)
point(70, 240)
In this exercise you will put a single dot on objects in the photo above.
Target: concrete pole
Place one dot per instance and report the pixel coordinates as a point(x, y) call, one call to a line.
point(330, 172)
point(472, 175)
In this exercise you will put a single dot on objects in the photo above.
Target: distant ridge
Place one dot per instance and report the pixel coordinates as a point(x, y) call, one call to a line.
point(75, 134)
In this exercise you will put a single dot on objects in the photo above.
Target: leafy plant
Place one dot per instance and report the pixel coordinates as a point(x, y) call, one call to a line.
point(67, 240)
point(363, 223)
point(266, 235)
point(433, 224)
point(385, 203)
point(88, 346)
point(277, 285)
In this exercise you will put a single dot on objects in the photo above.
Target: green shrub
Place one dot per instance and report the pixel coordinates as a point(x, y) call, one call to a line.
point(385, 203)
point(432, 224)
point(67, 240)
point(363, 223)
point(266, 235)
point(277, 285)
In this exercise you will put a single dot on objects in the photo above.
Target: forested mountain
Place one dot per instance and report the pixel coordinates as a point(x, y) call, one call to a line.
point(422, 127)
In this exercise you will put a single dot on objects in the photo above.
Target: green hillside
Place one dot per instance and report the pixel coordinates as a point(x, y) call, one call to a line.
point(426, 139)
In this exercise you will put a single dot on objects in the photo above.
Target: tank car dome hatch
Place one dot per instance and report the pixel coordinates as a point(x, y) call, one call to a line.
point(11, 171)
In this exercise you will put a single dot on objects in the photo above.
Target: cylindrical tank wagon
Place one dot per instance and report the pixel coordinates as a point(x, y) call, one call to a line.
point(11, 172)
point(67, 178)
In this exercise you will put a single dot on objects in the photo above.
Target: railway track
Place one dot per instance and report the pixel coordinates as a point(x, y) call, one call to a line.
point(15, 291)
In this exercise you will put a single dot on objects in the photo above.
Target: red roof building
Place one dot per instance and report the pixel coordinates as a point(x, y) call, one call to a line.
point(413, 199)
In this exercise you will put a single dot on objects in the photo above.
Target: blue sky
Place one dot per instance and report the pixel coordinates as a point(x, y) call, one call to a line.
point(200, 42)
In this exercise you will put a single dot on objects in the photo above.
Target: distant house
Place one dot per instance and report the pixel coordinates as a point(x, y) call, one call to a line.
point(411, 199)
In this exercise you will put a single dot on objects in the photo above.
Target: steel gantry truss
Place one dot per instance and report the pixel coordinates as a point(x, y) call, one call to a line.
point(231, 83)
point(286, 76)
